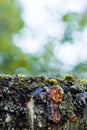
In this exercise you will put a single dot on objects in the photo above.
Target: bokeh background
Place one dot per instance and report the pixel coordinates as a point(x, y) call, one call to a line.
point(47, 37)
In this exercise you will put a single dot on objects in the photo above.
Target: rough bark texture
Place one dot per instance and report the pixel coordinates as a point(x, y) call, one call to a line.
point(40, 103)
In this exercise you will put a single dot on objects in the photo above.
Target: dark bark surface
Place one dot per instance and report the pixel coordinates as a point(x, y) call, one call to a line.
point(40, 103)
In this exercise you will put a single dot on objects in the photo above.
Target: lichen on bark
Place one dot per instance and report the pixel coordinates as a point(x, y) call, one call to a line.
point(41, 103)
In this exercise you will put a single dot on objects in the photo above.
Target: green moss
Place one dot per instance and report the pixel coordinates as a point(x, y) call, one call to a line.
point(40, 80)
point(17, 129)
point(74, 119)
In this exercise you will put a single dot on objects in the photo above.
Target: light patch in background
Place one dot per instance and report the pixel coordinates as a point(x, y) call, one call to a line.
point(67, 54)
point(27, 42)
point(71, 54)
point(40, 25)
point(81, 51)
point(75, 5)
point(43, 21)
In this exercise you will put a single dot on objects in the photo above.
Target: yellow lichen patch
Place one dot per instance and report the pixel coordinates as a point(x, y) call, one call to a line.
point(84, 80)
point(69, 77)
point(52, 81)
point(20, 75)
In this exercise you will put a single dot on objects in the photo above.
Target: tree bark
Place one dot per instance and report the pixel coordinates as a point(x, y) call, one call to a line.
point(40, 103)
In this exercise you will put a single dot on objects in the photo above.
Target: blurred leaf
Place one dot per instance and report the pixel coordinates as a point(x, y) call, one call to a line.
point(70, 17)
point(83, 21)
point(81, 67)
point(73, 22)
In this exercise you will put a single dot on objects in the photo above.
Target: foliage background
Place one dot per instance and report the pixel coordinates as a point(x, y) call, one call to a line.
point(14, 60)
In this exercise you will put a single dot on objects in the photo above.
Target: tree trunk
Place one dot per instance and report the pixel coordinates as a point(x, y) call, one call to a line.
point(40, 103)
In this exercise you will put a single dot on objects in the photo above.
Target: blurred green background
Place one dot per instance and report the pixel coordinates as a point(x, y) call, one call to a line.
point(13, 60)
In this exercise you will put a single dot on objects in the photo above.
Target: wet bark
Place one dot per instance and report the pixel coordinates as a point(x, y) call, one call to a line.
point(40, 103)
